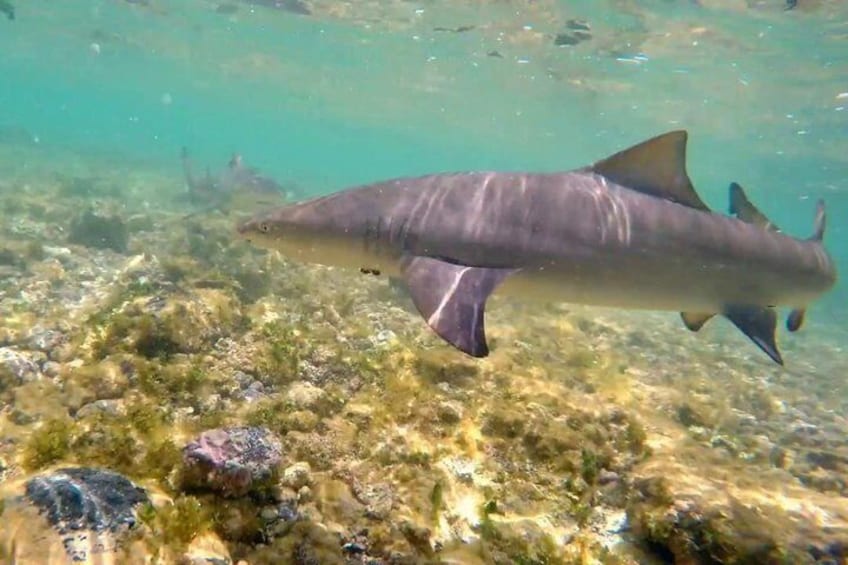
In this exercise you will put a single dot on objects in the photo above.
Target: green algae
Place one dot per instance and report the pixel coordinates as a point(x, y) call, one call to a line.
point(277, 416)
point(437, 500)
point(178, 381)
point(285, 348)
point(47, 444)
point(175, 525)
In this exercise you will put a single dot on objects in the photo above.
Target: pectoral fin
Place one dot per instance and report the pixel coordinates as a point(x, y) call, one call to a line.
point(758, 323)
point(694, 321)
point(452, 299)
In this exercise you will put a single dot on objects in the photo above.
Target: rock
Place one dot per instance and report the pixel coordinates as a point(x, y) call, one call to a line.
point(101, 232)
point(360, 414)
point(304, 395)
point(16, 367)
point(606, 476)
point(206, 549)
point(304, 494)
point(45, 340)
point(297, 475)
point(111, 407)
point(232, 461)
point(378, 498)
point(578, 25)
point(52, 369)
point(247, 388)
point(450, 412)
point(74, 515)
point(279, 519)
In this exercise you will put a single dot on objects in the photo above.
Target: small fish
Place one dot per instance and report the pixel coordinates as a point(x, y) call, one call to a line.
point(628, 231)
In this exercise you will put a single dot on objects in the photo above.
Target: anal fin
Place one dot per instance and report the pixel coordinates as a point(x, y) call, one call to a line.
point(759, 324)
point(452, 299)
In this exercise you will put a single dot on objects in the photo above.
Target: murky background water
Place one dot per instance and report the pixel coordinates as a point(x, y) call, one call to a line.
point(97, 99)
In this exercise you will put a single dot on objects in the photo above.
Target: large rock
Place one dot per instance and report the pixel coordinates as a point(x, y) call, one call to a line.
point(232, 461)
point(71, 515)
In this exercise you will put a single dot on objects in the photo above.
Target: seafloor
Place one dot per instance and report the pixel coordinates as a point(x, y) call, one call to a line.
point(130, 323)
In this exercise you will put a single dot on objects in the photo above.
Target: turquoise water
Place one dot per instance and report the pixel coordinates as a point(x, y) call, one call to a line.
point(331, 102)
point(364, 91)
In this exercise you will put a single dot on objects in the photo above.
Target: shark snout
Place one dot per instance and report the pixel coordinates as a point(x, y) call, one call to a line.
point(245, 228)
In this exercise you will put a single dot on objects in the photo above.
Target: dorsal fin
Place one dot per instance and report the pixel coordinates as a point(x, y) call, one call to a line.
point(820, 222)
point(656, 167)
point(743, 209)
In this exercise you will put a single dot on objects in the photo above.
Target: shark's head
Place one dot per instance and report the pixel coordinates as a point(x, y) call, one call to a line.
point(261, 230)
point(312, 233)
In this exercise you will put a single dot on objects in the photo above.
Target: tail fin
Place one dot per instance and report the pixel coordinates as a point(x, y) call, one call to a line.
point(820, 222)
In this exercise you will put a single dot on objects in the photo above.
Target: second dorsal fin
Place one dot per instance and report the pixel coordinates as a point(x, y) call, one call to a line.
point(656, 167)
point(743, 209)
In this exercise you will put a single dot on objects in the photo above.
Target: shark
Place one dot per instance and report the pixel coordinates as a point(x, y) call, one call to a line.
point(628, 231)
point(238, 185)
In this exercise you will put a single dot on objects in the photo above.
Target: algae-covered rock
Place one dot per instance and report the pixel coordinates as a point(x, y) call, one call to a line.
point(71, 515)
point(706, 514)
point(206, 549)
point(232, 461)
point(161, 327)
point(16, 367)
point(102, 232)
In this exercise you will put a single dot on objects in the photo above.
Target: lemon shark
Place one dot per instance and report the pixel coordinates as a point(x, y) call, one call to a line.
point(628, 231)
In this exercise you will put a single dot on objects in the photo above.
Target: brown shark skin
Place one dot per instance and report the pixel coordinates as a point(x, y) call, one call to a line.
point(575, 226)
point(572, 236)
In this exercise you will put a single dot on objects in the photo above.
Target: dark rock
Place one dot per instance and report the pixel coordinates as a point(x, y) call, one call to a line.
point(578, 30)
point(80, 498)
point(353, 548)
point(99, 232)
point(579, 25)
point(232, 461)
point(10, 258)
point(562, 39)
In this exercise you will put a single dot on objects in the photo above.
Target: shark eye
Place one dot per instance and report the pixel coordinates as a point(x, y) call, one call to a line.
point(263, 227)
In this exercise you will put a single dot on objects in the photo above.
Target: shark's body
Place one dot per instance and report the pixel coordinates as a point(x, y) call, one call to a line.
point(628, 231)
